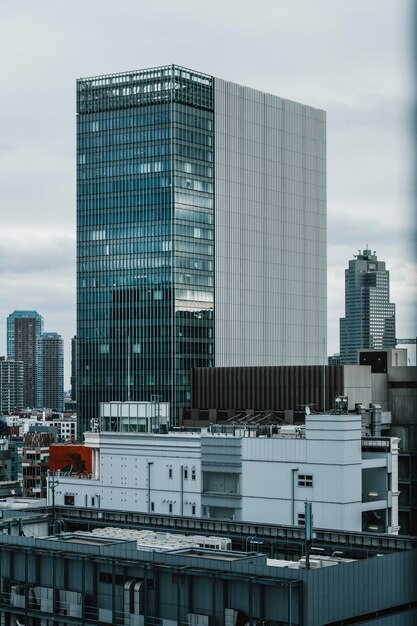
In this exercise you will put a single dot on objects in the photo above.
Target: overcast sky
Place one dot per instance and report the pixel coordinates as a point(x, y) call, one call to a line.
point(351, 58)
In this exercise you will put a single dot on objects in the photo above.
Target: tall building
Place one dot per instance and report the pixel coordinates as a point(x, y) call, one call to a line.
point(50, 371)
point(369, 320)
point(201, 227)
point(23, 331)
point(11, 385)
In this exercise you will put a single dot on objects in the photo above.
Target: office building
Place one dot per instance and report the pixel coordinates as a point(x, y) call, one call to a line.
point(50, 372)
point(201, 226)
point(23, 331)
point(369, 321)
point(259, 474)
point(11, 385)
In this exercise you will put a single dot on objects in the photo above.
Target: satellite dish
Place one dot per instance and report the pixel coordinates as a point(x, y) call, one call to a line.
point(307, 410)
point(13, 492)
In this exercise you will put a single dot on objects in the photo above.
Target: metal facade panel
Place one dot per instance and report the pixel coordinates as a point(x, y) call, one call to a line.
point(277, 388)
point(270, 229)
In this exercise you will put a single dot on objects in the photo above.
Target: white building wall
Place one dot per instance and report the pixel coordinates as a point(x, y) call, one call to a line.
point(126, 461)
point(269, 489)
point(330, 453)
point(270, 229)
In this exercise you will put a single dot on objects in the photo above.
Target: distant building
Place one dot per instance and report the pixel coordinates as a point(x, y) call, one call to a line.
point(35, 463)
point(256, 473)
point(369, 321)
point(24, 328)
point(9, 483)
point(11, 385)
point(50, 372)
point(334, 359)
point(63, 426)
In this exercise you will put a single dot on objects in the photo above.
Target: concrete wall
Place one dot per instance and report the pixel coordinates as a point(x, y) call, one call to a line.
point(358, 385)
point(331, 454)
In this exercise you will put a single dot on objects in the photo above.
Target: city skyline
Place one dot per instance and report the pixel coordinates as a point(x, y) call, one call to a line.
point(366, 91)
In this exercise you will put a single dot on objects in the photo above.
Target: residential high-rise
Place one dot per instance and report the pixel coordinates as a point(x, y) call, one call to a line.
point(11, 385)
point(201, 228)
point(369, 321)
point(23, 331)
point(50, 372)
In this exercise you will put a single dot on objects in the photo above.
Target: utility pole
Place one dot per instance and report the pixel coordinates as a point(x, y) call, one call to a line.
point(53, 482)
point(308, 516)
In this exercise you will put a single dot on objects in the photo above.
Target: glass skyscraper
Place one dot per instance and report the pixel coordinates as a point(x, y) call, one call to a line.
point(369, 321)
point(201, 233)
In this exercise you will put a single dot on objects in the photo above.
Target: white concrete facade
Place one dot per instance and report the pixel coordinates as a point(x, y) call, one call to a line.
point(239, 475)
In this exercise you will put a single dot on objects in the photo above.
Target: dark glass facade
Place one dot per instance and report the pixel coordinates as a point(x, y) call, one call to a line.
point(145, 257)
point(369, 320)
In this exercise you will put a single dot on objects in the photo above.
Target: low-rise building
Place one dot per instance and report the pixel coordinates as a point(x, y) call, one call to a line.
point(100, 579)
point(35, 464)
point(239, 472)
point(62, 425)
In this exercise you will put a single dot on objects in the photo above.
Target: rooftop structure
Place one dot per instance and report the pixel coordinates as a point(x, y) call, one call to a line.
point(108, 580)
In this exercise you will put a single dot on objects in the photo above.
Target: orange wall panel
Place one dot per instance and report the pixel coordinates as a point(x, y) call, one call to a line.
point(71, 459)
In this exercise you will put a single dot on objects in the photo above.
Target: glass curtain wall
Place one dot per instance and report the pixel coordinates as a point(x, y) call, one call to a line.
point(144, 236)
